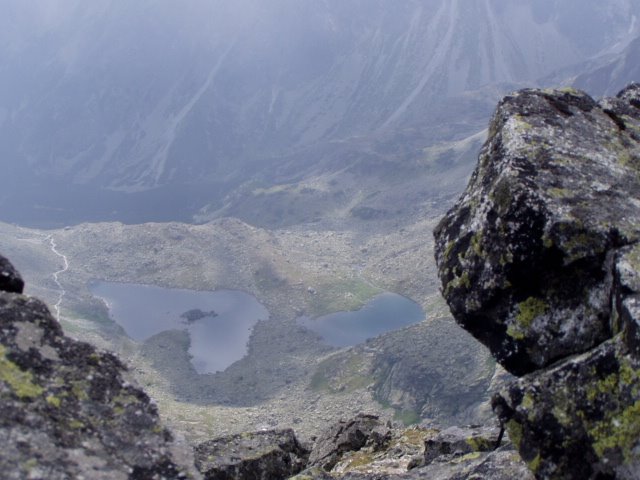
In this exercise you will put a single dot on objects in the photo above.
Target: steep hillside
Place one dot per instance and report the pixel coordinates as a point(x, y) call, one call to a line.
point(612, 73)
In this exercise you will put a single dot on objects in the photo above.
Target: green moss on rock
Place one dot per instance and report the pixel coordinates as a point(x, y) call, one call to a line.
point(620, 431)
point(529, 310)
point(20, 382)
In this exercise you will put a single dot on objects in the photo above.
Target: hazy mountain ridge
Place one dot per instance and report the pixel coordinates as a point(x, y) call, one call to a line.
point(610, 76)
point(158, 95)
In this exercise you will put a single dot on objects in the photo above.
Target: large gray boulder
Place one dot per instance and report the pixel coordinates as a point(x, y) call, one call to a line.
point(347, 436)
point(526, 255)
point(539, 260)
point(266, 455)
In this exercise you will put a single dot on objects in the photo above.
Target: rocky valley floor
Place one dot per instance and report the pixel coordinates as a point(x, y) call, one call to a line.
point(289, 377)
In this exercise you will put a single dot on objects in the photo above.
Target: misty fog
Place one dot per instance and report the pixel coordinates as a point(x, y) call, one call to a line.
point(159, 110)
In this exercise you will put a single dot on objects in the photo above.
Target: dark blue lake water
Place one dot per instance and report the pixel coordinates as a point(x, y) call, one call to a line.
point(217, 340)
point(382, 314)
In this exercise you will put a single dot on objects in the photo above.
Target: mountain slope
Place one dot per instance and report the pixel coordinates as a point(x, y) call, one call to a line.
point(187, 103)
point(610, 76)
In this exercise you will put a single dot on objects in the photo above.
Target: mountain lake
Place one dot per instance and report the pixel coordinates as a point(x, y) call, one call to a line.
point(219, 322)
point(383, 313)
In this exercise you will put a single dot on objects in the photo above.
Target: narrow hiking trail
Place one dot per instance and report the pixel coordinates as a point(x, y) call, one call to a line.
point(62, 291)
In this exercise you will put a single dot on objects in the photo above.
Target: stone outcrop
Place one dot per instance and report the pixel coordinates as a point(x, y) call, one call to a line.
point(347, 436)
point(457, 441)
point(457, 453)
point(68, 410)
point(10, 279)
point(273, 455)
point(540, 261)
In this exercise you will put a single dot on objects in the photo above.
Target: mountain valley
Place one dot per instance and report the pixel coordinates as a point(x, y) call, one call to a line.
point(302, 152)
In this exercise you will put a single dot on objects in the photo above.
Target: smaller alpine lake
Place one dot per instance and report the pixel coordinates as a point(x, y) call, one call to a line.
point(219, 322)
point(383, 313)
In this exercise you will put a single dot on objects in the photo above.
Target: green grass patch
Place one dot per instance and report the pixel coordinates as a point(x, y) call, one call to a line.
point(341, 295)
point(340, 374)
point(94, 310)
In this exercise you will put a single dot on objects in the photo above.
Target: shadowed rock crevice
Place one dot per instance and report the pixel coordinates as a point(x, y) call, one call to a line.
point(539, 261)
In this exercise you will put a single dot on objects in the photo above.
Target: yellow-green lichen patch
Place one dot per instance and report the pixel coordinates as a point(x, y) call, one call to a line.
point(613, 385)
point(53, 401)
point(79, 390)
point(476, 244)
point(515, 432)
point(570, 91)
point(457, 282)
point(448, 249)
point(628, 160)
point(514, 332)
point(561, 415)
point(479, 444)
point(416, 436)
point(527, 401)
point(121, 401)
point(76, 424)
point(467, 458)
point(582, 245)
point(528, 311)
point(534, 465)
point(31, 464)
point(560, 193)
point(619, 430)
point(19, 381)
point(522, 124)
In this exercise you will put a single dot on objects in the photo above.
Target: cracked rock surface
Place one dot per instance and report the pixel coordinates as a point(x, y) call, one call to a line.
point(271, 454)
point(539, 260)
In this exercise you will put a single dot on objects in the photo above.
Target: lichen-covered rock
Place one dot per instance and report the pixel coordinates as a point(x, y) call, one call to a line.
point(540, 260)
point(427, 453)
point(586, 408)
point(10, 279)
point(69, 411)
point(459, 441)
point(267, 455)
point(501, 464)
point(347, 436)
point(526, 255)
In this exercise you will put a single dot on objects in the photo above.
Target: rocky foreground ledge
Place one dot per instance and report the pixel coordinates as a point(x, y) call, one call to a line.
point(69, 411)
point(540, 261)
